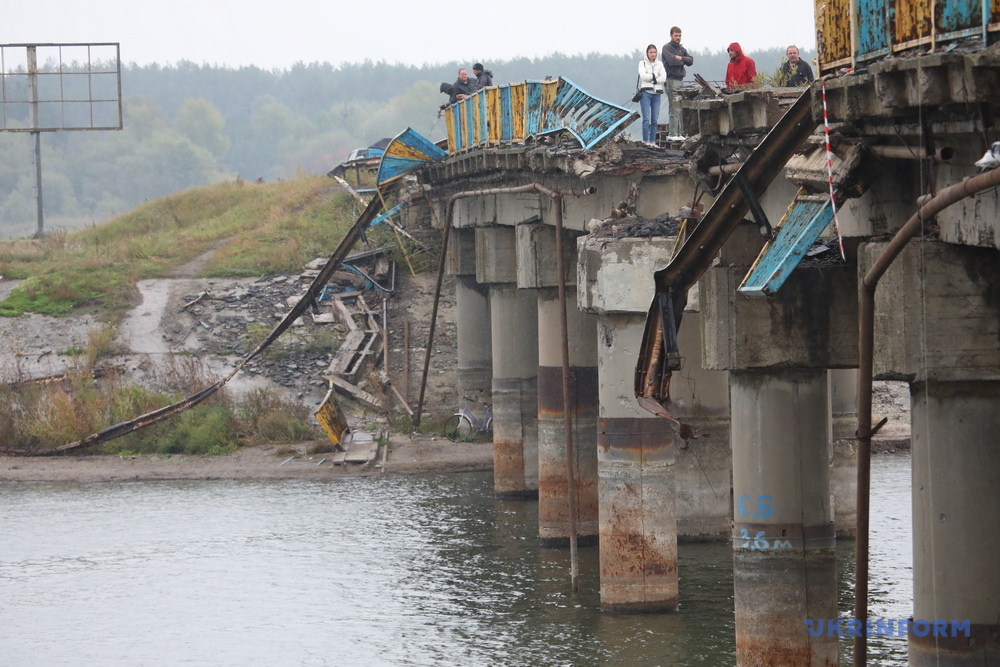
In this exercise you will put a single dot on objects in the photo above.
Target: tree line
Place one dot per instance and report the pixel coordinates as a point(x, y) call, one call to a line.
point(186, 125)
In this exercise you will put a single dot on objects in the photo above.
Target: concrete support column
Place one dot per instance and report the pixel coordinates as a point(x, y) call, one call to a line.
point(956, 515)
point(844, 464)
point(635, 459)
point(784, 565)
point(475, 352)
point(704, 463)
point(514, 323)
point(553, 514)
point(945, 334)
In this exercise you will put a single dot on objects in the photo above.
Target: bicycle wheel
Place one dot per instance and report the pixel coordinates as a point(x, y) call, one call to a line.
point(464, 431)
point(450, 429)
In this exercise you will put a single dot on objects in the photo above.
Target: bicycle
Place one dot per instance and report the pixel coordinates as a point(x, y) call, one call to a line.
point(462, 425)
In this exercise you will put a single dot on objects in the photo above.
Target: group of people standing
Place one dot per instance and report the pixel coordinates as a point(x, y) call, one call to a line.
point(466, 85)
point(657, 77)
point(665, 75)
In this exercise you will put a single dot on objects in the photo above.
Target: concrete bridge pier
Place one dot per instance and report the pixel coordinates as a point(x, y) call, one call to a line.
point(636, 451)
point(514, 337)
point(472, 312)
point(844, 464)
point(537, 271)
point(956, 513)
point(778, 350)
point(946, 339)
point(784, 562)
point(553, 509)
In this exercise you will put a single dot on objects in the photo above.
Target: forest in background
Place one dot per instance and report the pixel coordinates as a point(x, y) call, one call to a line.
point(187, 125)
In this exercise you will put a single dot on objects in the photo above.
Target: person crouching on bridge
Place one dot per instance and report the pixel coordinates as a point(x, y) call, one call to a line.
point(651, 79)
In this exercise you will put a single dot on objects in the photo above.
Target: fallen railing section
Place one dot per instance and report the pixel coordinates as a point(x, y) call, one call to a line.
point(517, 113)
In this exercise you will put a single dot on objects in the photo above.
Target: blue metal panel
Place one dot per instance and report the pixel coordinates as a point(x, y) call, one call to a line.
point(457, 129)
point(873, 29)
point(533, 107)
point(388, 214)
point(407, 151)
point(805, 221)
point(470, 125)
point(483, 129)
point(507, 116)
point(958, 15)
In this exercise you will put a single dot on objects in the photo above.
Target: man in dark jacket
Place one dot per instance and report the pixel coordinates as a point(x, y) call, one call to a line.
point(459, 90)
point(675, 57)
point(483, 77)
point(795, 71)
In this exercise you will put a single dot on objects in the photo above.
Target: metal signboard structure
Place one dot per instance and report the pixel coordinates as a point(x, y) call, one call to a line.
point(58, 87)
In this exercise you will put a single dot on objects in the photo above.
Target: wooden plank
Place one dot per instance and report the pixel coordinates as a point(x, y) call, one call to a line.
point(345, 360)
point(323, 318)
point(344, 315)
point(361, 452)
point(354, 391)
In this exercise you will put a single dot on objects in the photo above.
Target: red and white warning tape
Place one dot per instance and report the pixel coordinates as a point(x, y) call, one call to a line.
point(829, 172)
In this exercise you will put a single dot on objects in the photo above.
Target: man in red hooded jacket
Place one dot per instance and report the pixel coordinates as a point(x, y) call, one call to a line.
point(741, 70)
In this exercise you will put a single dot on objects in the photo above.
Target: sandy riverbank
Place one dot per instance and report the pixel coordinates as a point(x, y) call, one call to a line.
point(406, 455)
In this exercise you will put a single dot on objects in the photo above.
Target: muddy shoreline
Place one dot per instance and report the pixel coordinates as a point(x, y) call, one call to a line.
point(417, 455)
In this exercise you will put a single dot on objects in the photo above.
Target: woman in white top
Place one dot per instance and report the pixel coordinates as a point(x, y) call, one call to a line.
point(651, 80)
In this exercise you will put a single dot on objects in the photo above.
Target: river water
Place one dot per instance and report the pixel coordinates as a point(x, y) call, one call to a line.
point(396, 570)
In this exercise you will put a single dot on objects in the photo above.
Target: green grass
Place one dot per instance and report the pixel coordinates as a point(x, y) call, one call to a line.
point(262, 229)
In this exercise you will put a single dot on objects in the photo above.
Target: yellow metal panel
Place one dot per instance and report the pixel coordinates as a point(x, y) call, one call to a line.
point(833, 32)
point(330, 418)
point(493, 113)
point(477, 119)
point(401, 150)
point(517, 102)
point(911, 22)
point(449, 123)
point(550, 88)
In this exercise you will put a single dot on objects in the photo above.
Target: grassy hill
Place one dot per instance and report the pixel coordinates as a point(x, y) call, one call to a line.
point(259, 229)
point(237, 230)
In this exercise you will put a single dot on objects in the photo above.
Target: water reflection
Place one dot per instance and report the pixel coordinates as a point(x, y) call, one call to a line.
point(393, 571)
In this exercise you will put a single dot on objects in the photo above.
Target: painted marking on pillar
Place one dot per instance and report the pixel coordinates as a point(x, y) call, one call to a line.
point(761, 543)
point(762, 510)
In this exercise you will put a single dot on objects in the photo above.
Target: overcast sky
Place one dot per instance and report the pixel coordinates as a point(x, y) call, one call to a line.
point(274, 35)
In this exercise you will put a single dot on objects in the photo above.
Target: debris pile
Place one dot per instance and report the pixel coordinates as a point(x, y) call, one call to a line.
point(636, 227)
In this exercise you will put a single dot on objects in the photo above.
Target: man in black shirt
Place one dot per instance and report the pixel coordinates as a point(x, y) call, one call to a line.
point(675, 57)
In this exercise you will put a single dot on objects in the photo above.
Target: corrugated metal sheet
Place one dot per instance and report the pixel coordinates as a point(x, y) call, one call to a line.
point(881, 27)
point(406, 152)
point(911, 21)
point(802, 224)
point(873, 29)
point(833, 33)
point(510, 114)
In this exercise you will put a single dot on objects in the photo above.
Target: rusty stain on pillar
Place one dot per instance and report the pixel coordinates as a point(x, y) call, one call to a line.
point(553, 513)
point(554, 526)
point(638, 523)
point(515, 395)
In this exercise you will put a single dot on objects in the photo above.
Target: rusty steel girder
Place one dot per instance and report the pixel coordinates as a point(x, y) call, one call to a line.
point(658, 354)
